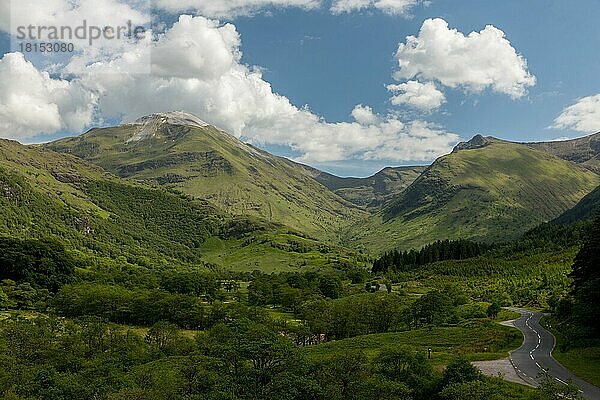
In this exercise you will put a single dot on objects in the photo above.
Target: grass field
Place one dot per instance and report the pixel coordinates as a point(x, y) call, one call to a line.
point(583, 359)
point(276, 252)
point(446, 343)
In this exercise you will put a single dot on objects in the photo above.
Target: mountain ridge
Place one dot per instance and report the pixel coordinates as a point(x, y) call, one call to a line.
point(372, 191)
point(108, 221)
point(584, 151)
point(486, 189)
point(586, 209)
point(492, 192)
point(207, 163)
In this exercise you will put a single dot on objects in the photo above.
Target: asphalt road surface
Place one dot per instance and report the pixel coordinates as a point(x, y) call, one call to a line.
point(535, 355)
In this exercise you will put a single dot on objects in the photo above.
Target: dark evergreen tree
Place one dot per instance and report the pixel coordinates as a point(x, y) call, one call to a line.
point(586, 280)
point(401, 261)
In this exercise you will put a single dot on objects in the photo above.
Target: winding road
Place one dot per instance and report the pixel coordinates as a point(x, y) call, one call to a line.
point(535, 355)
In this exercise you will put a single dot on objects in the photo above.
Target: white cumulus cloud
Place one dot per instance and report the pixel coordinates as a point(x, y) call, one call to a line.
point(583, 116)
point(232, 8)
point(197, 48)
point(197, 67)
point(423, 96)
point(473, 62)
point(393, 7)
point(364, 115)
point(31, 102)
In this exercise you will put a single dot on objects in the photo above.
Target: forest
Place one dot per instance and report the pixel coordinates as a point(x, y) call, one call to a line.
point(112, 330)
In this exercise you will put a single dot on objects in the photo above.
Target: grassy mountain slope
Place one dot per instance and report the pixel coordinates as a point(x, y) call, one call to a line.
point(207, 163)
point(43, 193)
point(586, 209)
point(584, 151)
point(487, 189)
point(375, 190)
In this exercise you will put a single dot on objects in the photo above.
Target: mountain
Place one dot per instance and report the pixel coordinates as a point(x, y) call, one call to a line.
point(106, 219)
point(487, 189)
point(43, 193)
point(373, 191)
point(584, 151)
point(586, 209)
point(177, 150)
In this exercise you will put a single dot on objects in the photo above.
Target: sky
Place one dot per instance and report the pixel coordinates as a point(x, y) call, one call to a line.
point(348, 86)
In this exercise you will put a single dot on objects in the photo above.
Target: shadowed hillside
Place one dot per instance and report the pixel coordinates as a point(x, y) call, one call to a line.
point(584, 151)
point(372, 191)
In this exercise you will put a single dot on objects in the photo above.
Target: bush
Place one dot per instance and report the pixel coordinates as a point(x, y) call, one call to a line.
point(460, 371)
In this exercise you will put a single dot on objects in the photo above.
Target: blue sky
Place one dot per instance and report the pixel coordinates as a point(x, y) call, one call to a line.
point(311, 84)
point(334, 62)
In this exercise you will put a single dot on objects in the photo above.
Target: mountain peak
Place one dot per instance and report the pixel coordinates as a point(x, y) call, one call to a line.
point(147, 125)
point(477, 142)
point(173, 118)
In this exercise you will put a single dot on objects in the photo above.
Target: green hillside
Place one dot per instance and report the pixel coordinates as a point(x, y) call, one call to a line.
point(177, 151)
point(132, 302)
point(43, 193)
point(372, 191)
point(586, 209)
point(486, 190)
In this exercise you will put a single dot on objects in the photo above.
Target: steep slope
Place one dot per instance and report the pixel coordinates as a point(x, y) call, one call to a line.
point(103, 217)
point(586, 209)
point(44, 193)
point(487, 189)
point(375, 190)
point(584, 151)
point(176, 150)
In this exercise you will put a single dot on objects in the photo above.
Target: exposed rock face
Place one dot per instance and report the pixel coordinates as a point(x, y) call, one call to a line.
point(477, 142)
point(174, 118)
point(9, 192)
point(170, 178)
point(149, 125)
point(67, 177)
point(82, 149)
point(83, 224)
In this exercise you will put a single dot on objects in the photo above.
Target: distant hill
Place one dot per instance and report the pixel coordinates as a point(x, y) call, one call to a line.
point(486, 189)
point(584, 151)
point(177, 150)
point(372, 191)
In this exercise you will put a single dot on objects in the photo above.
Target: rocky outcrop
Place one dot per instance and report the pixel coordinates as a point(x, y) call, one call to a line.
point(477, 142)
